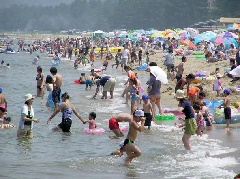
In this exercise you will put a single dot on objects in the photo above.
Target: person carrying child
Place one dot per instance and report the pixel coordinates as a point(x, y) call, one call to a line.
point(148, 110)
point(227, 108)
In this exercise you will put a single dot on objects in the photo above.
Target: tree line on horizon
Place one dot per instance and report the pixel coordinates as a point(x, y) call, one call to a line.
point(108, 15)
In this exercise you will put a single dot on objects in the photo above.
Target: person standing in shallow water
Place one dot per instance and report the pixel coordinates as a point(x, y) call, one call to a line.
point(40, 82)
point(57, 83)
point(27, 118)
point(190, 121)
point(67, 108)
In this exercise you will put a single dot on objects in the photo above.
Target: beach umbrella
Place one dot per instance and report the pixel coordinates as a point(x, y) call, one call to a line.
point(229, 35)
point(197, 40)
point(187, 42)
point(159, 74)
point(235, 25)
point(184, 34)
point(219, 40)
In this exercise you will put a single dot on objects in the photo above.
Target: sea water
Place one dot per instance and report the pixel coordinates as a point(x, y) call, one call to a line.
point(77, 155)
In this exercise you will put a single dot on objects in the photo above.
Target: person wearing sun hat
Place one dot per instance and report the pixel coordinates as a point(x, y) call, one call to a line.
point(27, 118)
point(3, 100)
point(131, 149)
point(190, 121)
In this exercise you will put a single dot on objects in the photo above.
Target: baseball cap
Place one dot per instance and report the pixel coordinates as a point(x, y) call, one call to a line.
point(145, 96)
point(227, 91)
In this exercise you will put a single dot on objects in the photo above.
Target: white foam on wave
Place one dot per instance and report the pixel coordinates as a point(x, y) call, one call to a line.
point(207, 159)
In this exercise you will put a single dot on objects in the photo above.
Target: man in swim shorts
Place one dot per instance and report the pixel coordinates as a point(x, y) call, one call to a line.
point(108, 84)
point(57, 78)
point(114, 123)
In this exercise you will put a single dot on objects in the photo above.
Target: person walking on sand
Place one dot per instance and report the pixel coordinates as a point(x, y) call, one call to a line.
point(67, 108)
point(170, 64)
point(131, 149)
point(180, 68)
point(57, 83)
point(114, 123)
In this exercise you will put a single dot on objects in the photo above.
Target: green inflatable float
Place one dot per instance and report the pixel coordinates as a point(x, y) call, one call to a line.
point(164, 117)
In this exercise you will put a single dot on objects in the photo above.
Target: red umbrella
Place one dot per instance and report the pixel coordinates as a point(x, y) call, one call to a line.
point(187, 43)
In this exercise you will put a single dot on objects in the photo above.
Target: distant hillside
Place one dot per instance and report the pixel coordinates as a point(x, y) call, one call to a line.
point(8, 3)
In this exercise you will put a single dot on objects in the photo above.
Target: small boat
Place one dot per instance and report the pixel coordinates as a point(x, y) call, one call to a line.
point(9, 51)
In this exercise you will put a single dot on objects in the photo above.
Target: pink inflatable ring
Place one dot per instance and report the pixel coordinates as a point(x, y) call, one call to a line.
point(94, 131)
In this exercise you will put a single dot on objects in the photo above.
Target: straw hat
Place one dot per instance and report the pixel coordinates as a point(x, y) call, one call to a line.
point(28, 97)
point(180, 94)
point(218, 75)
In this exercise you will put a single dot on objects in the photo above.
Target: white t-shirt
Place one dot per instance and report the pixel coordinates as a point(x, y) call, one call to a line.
point(125, 53)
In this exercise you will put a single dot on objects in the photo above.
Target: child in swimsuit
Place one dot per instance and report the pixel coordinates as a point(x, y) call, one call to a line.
point(147, 108)
point(199, 118)
point(91, 120)
point(133, 93)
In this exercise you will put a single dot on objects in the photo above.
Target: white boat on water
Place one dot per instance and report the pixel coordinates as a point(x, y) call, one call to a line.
point(9, 51)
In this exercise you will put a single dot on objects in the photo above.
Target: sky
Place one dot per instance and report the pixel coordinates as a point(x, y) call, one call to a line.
point(7, 3)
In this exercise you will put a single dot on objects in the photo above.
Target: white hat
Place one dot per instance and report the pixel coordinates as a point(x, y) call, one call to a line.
point(180, 94)
point(28, 96)
point(139, 113)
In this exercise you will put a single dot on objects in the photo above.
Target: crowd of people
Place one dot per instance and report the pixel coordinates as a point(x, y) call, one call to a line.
point(191, 101)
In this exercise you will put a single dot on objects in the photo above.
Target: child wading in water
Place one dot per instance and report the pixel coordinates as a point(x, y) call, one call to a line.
point(131, 149)
point(199, 118)
point(91, 120)
point(133, 93)
point(226, 105)
point(147, 108)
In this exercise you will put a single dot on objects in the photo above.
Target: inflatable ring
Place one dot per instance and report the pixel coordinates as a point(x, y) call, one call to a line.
point(94, 131)
point(173, 109)
point(6, 126)
point(123, 128)
point(56, 62)
point(163, 117)
point(76, 81)
point(198, 53)
point(97, 70)
point(199, 56)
